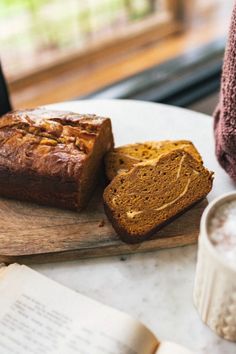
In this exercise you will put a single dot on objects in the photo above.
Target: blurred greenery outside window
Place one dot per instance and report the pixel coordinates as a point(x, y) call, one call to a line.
point(36, 31)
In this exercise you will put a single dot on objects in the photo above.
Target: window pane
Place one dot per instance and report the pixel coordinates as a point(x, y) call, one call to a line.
point(36, 32)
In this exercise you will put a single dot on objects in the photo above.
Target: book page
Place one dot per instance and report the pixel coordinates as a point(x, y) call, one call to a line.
point(171, 348)
point(37, 315)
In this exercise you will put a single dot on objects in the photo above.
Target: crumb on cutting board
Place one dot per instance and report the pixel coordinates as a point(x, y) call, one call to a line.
point(102, 223)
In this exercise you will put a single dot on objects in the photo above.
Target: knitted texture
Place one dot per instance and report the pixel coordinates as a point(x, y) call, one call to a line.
point(225, 113)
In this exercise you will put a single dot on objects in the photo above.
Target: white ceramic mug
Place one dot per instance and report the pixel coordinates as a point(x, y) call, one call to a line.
point(215, 281)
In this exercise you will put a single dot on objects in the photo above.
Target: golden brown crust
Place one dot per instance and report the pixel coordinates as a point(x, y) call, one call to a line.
point(47, 156)
point(122, 158)
point(142, 200)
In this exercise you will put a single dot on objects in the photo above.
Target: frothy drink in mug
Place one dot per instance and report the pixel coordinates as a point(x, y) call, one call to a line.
point(222, 230)
point(215, 281)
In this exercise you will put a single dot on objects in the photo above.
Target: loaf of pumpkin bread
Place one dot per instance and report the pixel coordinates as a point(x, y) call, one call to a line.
point(52, 157)
point(140, 201)
point(122, 158)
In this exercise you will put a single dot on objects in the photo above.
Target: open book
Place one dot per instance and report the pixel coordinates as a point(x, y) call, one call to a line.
point(37, 315)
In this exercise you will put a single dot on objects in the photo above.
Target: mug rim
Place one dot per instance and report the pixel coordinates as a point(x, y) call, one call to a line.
point(204, 232)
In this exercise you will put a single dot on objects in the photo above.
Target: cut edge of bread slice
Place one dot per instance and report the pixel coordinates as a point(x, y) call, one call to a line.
point(122, 158)
point(141, 201)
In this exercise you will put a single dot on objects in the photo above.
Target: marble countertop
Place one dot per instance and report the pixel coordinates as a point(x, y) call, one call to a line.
point(154, 287)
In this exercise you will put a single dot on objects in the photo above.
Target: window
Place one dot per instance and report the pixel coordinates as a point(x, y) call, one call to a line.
point(55, 50)
point(40, 32)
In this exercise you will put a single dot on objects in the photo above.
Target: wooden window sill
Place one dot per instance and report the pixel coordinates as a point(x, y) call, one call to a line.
point(81, 77)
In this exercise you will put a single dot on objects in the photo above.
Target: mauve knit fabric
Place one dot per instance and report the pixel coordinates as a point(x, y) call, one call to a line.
point(225, 114)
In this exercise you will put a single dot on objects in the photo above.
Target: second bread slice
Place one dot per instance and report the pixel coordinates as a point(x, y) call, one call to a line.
point(140, 201)
point(122, 158)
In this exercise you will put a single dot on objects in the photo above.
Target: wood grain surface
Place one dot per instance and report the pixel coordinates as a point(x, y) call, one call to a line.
point(34, 234)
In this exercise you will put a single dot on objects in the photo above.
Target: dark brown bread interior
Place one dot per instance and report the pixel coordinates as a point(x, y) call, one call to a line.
point(52, 157)
point(140, 201)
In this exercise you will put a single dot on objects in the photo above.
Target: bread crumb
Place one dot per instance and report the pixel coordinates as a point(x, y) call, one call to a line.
point(101, 224)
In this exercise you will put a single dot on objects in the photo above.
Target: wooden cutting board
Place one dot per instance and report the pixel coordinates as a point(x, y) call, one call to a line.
point(31, 233)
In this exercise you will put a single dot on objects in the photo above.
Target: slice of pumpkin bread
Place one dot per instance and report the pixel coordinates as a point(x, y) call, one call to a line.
point(140, 201)
point(124, 157)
